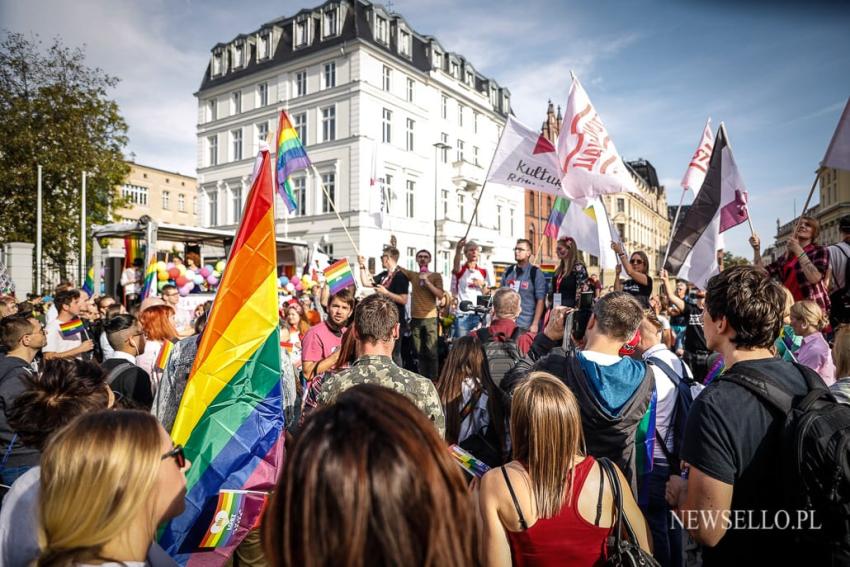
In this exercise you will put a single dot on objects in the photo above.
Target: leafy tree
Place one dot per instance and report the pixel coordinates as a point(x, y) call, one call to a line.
point(56, 113)
point(730, 260)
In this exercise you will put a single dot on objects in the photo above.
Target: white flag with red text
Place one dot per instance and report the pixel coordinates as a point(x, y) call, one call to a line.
point(695, 174)
point(590, 164)
point(525, 158)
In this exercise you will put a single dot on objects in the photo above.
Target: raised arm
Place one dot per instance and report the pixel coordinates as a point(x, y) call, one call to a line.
point(458, 259)
point(671, 295)
point(755, 242)
point(365, 276)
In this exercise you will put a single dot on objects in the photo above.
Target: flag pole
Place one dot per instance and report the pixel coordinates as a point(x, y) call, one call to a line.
point(673, 228)
point(483, 186)
point(38, 236)
point(83, 231)
point(333, 206)
point(808, 200)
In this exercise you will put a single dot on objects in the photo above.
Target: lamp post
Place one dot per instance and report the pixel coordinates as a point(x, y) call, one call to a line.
point(439, 146)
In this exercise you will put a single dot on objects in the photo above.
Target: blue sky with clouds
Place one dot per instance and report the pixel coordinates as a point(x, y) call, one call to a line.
point(777, 75)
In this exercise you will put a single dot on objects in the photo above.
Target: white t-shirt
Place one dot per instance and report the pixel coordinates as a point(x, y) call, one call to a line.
point(56, 342)
point(666, 393)
point(838, 255)
point(462, 280)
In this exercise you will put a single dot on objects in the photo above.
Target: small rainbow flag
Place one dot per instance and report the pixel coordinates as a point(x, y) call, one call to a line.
point(339, 276)
point(164, 353)
point(548, 270)
point(149, 287)
point(132, 250)
point(71, 328)
point(468, 462)
point(290, 157)
point(88, 285)
point(645, 446)
point(556, 217)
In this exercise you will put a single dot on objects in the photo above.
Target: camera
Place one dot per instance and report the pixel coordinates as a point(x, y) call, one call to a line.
point(482, 305)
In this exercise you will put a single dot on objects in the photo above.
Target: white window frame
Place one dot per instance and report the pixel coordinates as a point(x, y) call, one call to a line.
point(166, 200)
point(263, 94)
point(330, 22)
point(236, 146)
point(459, 150)
point(444, 106)
point(262, 133)
point(212, 150)
point(299, 123)
point(329, 75)
point(409, 137)
point(301, 83)
point(387, 126)
point(404, 42)
point(410, 198)
point(299, 188)
point(411, 90)
point(263, 46)
point(329, 181)
point(212, 110)
point(381, 30)
point(236, 102)
point(386, 79)
point(181, 202)
point(238, 55)
point(212, 209)
point(328, 123)
point(301, 33)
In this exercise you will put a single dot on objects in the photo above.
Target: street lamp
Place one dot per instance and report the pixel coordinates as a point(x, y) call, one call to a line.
point(439, 146)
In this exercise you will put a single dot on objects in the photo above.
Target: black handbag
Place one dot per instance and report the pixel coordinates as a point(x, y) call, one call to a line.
point(623, 552)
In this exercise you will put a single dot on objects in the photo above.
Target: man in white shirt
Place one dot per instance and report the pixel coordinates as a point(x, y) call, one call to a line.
point(77, 345)
point(469, 282)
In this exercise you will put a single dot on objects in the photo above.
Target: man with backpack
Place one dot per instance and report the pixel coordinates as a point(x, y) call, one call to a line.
point(125, 378)
point(504, 342)
point(766, 445)
point(674, 387)
point(839, 262)
point(530, 282)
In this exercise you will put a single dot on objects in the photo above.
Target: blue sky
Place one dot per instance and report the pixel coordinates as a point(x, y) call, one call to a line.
point(778, 76)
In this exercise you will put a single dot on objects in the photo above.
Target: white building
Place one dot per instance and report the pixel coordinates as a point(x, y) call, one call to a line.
point(356, 79)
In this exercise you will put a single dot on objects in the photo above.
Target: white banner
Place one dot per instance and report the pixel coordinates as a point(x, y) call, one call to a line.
point(695, 174)
point(525, 158)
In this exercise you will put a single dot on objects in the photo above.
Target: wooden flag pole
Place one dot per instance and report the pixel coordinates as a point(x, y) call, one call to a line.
point(333, 206)
point(475, 210)
point(808, 200)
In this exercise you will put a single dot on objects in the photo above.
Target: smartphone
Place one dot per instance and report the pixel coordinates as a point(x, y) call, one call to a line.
point(585, 301)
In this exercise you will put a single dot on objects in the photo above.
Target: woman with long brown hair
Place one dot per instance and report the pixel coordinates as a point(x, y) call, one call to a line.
point(546, 506)
point(570, 277)
point(370, 482)
point(159, 327)
point(639, 283)
point(471, 401)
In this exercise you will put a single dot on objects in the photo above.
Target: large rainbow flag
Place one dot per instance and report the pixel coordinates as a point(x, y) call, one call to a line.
point(88, 285)
point(230, 419)
point(149, 285)
point(132, 250)
point(291, 157)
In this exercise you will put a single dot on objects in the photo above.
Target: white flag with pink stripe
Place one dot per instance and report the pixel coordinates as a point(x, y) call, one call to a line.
point(695, 174)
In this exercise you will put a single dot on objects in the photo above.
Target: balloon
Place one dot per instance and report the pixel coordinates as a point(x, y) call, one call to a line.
point(182, 269)
point(212, 280)
point(169, 265)
point(298, 285)
point(305, 279)
point(205, 271)
point(209, 267)
point(216, 273)
point(162, 276)
point(219, 267)
point(160, 266)
point(290, 287)
point(198, 279)
point(161, 285)
point(187, 289)
point(283, 281)
point(173, 273)
point(182, 281)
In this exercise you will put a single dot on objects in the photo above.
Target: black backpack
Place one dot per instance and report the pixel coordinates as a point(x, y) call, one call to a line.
point(839, 299)
point(815, 457)
point(681, 409)
point(501, 356)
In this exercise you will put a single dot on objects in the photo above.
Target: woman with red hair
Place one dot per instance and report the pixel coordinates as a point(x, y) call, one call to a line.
point(158, 325)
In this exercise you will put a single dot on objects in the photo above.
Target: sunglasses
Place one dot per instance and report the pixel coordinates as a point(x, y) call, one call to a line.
point(177, 454)
point(636, 261)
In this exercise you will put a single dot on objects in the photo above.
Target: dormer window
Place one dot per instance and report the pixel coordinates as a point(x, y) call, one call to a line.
point(263, 46)
point(455, 69)
point(238, 56)
point(404, 43)
point(438, 60)
point(381, 29)
point(216, 63)
point(331, 22)
point(469, 78)
point(301, 28)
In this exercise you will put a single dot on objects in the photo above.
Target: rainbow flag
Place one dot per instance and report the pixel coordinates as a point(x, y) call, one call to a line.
point(71, 328)
point(556, 217)
point(339, 276)
point(149, 286)
point(132, 250)
point(291, 157)
point(645, 447)
point(236, 509)
point(548, 270)
point(164, 354)
point(230, 421)
point(88, 285)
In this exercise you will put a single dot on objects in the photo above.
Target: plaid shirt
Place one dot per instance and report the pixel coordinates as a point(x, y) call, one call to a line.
point(791, 275)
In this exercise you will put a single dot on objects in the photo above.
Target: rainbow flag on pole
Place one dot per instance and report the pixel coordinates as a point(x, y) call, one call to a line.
point(339, 276)
point(149, 286)
point(290, 157)
point(132, 250)
point(71, 328)
point(230, 419)
point(556, 217)
point(88, 285)
point(164, 355)
point(645, 447)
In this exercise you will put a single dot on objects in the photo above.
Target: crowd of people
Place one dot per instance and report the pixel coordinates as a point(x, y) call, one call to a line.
point(638, 420)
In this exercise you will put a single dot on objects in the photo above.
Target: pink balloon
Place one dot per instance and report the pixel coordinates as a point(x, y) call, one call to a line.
point(205, 272)
point(186, 289)
point(212, 280)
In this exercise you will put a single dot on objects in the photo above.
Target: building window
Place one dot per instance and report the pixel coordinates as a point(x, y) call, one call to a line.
point(499, 218)
point(460, 115)
point(475, 121)
point(194, 205)
point(301, 83)
point(238, 56)
point(236, 136)
point(213, 202)
point(444, 106)
point(411, 85)
point(460, 150)
point(211, 110)
point(136, 194)
point(445, 195)
point(165, 200)
point(181, 202)
point(438, 60)
point(237, 204)
point(410, 127)
point(512, 213)
point(301, 33)
point(212, 144)
point(621, 205)
point(329, 180)
point(531, 235)
point(444, 139)
point(531, 209)
point(237, 102)
point(475, 155)
point(381, 29)
point(262, 94)
point(455, 69)
point(331, 22)
point(299, 123)
point(594, 261)
point(330, 75)
point(263, 46)
point(387, 129)
point(404, 43)
point(388, 191)
point(469, 78)
point(216, 64)
point(461, 202)
point(621, 229)
point(262, 133)
point(387, 78)
point(299, 187)
point(411, 257)
point(549, 205)
point(329, 123)
point(408, 198)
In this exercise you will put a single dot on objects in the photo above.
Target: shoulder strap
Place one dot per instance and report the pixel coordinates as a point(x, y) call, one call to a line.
point(511, 269)
point(763, 387)
point(534, 270)
point(484, 334)
point(522, 523)
point(665, 368)
point(518, 331)
point(599, 498)
point(117, 371)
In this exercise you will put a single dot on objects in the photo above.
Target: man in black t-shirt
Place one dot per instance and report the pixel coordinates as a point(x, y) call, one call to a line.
point(732, 439)
point(696, 351)
point(125, 378)
point(393, 284)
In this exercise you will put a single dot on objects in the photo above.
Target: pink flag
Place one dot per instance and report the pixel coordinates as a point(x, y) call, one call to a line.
point(590, 164)
point(838, 154)
point(695, 173)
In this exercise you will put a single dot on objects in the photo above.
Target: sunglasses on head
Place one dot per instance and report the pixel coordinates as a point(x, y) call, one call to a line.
point(177, 454)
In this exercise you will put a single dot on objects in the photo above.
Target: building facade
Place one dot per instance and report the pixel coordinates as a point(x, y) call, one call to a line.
point(538, 204)
point(165, 196)
point(399, 131)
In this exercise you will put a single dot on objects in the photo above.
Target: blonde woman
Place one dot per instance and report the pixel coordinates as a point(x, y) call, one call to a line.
point(570, 277)
point(841, 356)
point(808, 320)
point(107, 481)
point(546, 507)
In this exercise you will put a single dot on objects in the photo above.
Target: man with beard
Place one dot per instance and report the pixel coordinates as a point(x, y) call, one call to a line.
point(320, 346)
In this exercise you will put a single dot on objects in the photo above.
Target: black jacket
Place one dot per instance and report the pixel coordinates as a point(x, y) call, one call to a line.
point(13, 374)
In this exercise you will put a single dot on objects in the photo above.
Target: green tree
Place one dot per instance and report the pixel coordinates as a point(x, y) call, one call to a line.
point(57, 113)
point(730, 260)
